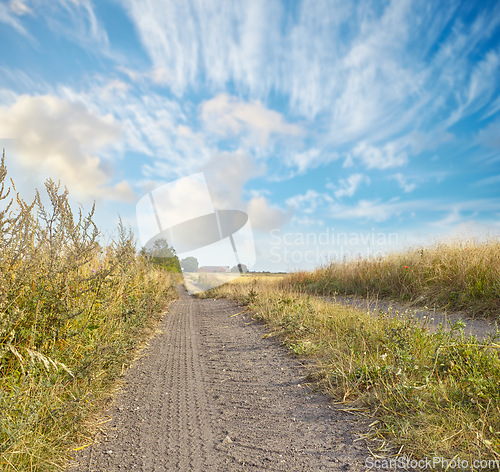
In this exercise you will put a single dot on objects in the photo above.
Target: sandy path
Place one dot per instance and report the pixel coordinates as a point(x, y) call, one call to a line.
point(210, 393)
point(479, 327)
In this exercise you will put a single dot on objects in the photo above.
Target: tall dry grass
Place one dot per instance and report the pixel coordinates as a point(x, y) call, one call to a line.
point(463, 275)
point(429, 395)
point(71, 313)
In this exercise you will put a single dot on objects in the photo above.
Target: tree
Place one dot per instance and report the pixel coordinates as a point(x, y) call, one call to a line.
point(241, 268)
point(160, 253)
point(189, 264)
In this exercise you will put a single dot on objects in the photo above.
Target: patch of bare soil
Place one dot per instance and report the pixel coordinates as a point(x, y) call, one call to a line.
point(210, 393)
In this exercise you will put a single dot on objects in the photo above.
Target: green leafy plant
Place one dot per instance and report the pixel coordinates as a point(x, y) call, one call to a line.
point(72, 311)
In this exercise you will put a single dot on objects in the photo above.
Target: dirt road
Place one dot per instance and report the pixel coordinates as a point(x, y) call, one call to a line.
point(482, 328)
point(209, 393)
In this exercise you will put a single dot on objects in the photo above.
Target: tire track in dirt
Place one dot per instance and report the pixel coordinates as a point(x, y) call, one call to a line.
point(179, 404)
point(211, 393)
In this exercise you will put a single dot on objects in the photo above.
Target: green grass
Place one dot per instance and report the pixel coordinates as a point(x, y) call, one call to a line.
point(463, 275)
point(72, 312)
point(429, 395)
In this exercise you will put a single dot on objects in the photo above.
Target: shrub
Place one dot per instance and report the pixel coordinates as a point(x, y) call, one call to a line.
point(72, 310)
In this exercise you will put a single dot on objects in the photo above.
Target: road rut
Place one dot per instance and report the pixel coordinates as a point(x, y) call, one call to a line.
point(211, 393)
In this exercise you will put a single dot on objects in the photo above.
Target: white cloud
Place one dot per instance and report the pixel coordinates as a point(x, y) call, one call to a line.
point(307, 221)
point(311, 52)
point(161, 76)
point(303, 160)
point(364, 70)
point(308, 202)
point(348, 187)
point(259, 192)
point(420, 141)
point(10, 13)
point(62, 140)
point(379, 211)
point(376, 210)
point(74, 19)
point(230, 117)
point(466, 85)
point(153, 125)
point(310, 159)
point(489, 136)
point(157, 75)
point(481, 86)
point(493, 108)
point(473, 229)
point(403, 182)
point(390, 155)
point(221, 42)
point(493, 180)
point(19, 7)
point(453, 217)
point(264, 216)
point(483, 80)
point(376, 58)
point(17, 81)
point(226, 174)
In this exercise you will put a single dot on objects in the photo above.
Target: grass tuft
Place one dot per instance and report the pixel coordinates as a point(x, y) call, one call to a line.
point(463, 275)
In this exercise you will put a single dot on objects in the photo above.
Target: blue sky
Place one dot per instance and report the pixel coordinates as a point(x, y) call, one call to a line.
point(343, 129)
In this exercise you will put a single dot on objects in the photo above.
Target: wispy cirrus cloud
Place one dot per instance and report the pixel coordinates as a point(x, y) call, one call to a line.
point(493, 180)
point(157, 127)
point(404, 182)
point(74, 19)
point(351, 72)
point(365, 70)
point(309, 201)
point(309, 159)
point(10, 14)
point(221, 42)
point(390, 155)
point(347, 187)
point(489, 136)
point(378, 210)
point(452, 217)
point(77, 21)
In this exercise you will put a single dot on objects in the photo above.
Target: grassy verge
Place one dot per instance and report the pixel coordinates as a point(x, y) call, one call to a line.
point(464, 275)
point(431, 395)
point(72, 311)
